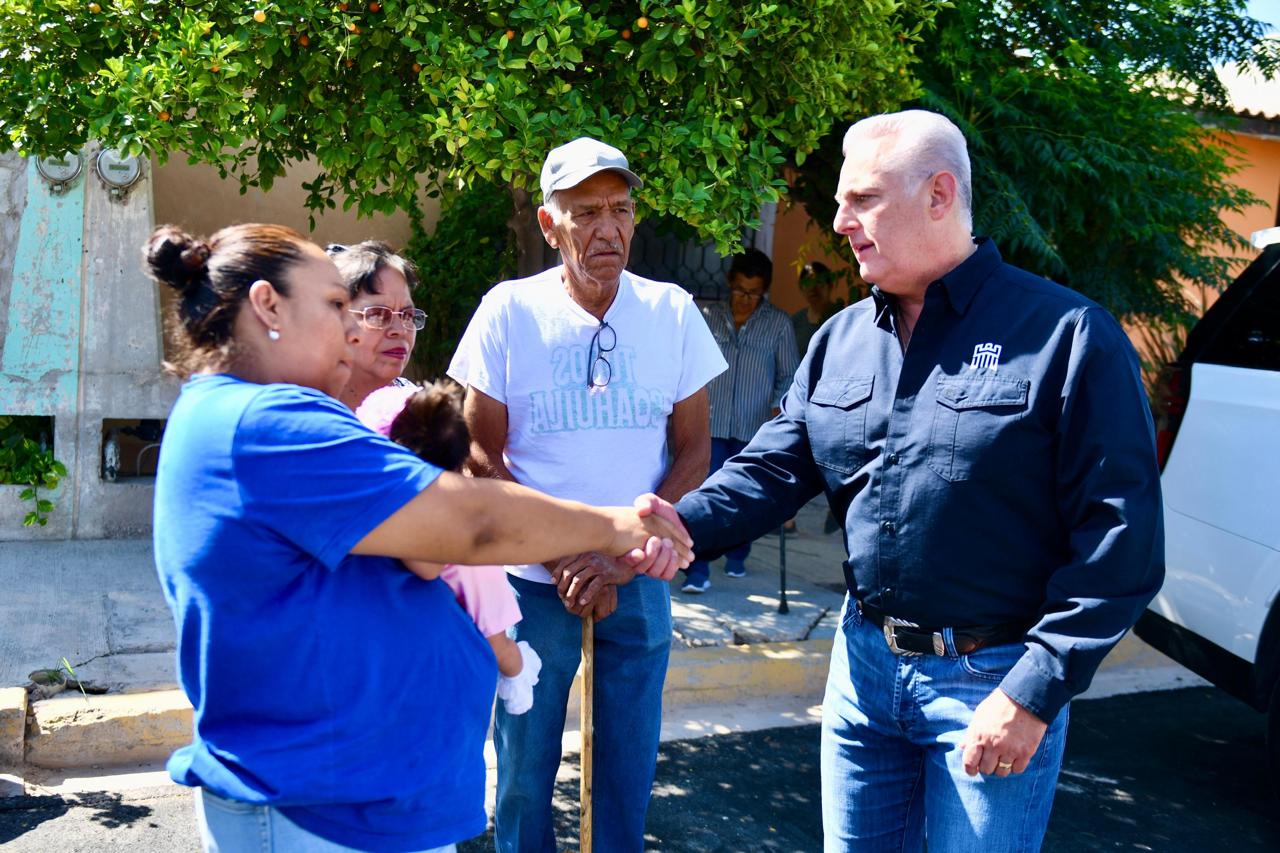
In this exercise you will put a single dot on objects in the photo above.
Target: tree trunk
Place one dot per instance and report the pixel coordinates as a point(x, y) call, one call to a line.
point(533, 255)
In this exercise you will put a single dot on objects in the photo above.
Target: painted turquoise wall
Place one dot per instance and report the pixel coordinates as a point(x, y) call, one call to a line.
point(39, 362)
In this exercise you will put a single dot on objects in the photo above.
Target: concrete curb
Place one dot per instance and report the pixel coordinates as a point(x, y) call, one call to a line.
point(13, 721)
point(72, 731)
point(69, 731)
point(708, 689)
point(713, 674)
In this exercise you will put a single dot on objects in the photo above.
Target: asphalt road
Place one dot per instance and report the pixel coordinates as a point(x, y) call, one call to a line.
point(1180, 770)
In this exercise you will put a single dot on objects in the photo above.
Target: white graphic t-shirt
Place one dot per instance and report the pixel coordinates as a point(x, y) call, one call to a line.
point(527, 347)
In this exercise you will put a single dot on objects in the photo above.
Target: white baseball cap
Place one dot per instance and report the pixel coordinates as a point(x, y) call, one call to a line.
point(574, 162)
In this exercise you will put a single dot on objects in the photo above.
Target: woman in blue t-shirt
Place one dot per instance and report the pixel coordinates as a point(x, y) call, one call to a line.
point(340, 701)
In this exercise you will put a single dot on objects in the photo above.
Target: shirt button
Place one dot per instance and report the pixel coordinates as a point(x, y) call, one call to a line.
point(893, 459)
point(887, 527)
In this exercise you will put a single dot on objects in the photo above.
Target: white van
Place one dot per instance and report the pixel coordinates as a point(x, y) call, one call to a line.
point(1217, 414)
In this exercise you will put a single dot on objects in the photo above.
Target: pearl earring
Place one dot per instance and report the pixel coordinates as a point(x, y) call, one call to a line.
point(273, 334)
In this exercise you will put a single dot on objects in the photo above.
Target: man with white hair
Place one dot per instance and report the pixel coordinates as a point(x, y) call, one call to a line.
point(984, 437)
point(580, 380)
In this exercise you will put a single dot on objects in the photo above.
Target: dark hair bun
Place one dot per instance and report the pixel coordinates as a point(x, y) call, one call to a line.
point(431, 425)
point(177, 259)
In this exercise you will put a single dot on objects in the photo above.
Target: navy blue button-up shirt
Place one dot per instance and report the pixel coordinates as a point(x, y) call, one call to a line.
point(1003, 469)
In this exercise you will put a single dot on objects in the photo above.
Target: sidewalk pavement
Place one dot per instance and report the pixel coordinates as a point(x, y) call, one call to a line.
point(736, 662)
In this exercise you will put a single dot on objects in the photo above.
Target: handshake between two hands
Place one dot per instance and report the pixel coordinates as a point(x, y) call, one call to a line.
point(588, 583)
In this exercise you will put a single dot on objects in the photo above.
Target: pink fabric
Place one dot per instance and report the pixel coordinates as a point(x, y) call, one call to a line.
point(380, 408)
point(485, 594)
point(482, 591)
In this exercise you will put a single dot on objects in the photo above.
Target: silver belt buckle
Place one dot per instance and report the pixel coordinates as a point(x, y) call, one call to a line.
point(891, 637)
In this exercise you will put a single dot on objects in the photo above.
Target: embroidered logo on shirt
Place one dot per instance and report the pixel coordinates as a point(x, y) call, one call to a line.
point(985, 356)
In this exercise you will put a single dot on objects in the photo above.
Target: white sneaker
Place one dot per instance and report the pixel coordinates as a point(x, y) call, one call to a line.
point(696, 587)
point(516, 691)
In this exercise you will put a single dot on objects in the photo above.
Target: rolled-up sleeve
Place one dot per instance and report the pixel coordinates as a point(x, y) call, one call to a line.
point(1108, 495)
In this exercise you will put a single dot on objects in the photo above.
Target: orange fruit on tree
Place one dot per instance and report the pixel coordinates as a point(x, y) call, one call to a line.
point(511, 35)
point(95, 8)
point(626, 34)
point(342, 7)
point(304, 39)
point(163, 115)
point(417, 66)
point(350, 62)
point(260, 16)
point(375, 6)
point(353, 27)
point(642, 23)
point(215, 68)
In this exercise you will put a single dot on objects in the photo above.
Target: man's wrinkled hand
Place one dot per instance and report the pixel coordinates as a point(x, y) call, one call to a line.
point(1002, 737)
point(605, 603)
point(588, 582)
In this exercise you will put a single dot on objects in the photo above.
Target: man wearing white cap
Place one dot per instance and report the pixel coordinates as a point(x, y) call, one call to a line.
point(580, 380)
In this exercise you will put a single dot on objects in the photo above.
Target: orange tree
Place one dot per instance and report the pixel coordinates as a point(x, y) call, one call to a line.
point(708, 99)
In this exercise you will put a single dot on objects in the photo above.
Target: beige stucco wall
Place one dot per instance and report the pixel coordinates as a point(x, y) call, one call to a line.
point(196, 198)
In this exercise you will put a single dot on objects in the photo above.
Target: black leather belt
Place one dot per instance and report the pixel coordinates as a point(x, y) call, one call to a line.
point(907, 638)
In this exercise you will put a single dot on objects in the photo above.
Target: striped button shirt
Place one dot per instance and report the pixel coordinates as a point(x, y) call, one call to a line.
point(762, 362)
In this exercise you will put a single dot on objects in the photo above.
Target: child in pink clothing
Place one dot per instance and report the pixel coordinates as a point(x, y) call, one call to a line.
point(429, 422)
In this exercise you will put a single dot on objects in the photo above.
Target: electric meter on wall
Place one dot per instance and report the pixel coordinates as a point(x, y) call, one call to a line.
point(118, 171)
point(60, 170)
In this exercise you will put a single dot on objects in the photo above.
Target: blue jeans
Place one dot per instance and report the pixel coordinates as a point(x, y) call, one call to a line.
point(892, 772)
point(229, 826)
point(632, 647)
point(722, 450)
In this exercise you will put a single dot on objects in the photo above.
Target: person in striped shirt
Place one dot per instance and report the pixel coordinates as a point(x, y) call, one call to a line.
point(759, 343)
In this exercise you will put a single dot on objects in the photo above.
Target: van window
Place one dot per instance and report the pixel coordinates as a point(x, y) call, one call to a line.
point(1251, 338)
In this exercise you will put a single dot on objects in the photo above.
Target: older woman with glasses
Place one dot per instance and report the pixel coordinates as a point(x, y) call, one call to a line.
point(381, 285)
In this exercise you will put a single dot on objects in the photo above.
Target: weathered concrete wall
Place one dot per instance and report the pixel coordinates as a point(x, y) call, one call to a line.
point(120, 356)
point(81, 339)
point(13, 200)
point(40, 327)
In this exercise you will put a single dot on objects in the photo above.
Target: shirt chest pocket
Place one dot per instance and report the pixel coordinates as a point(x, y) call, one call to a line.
point(837, 421)
point(976, 424)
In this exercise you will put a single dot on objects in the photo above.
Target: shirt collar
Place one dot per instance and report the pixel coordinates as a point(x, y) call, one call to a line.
point(960, 285)
point(963, 282)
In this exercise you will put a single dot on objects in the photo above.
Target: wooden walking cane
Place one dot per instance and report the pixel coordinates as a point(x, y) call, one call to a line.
point(588, 677)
